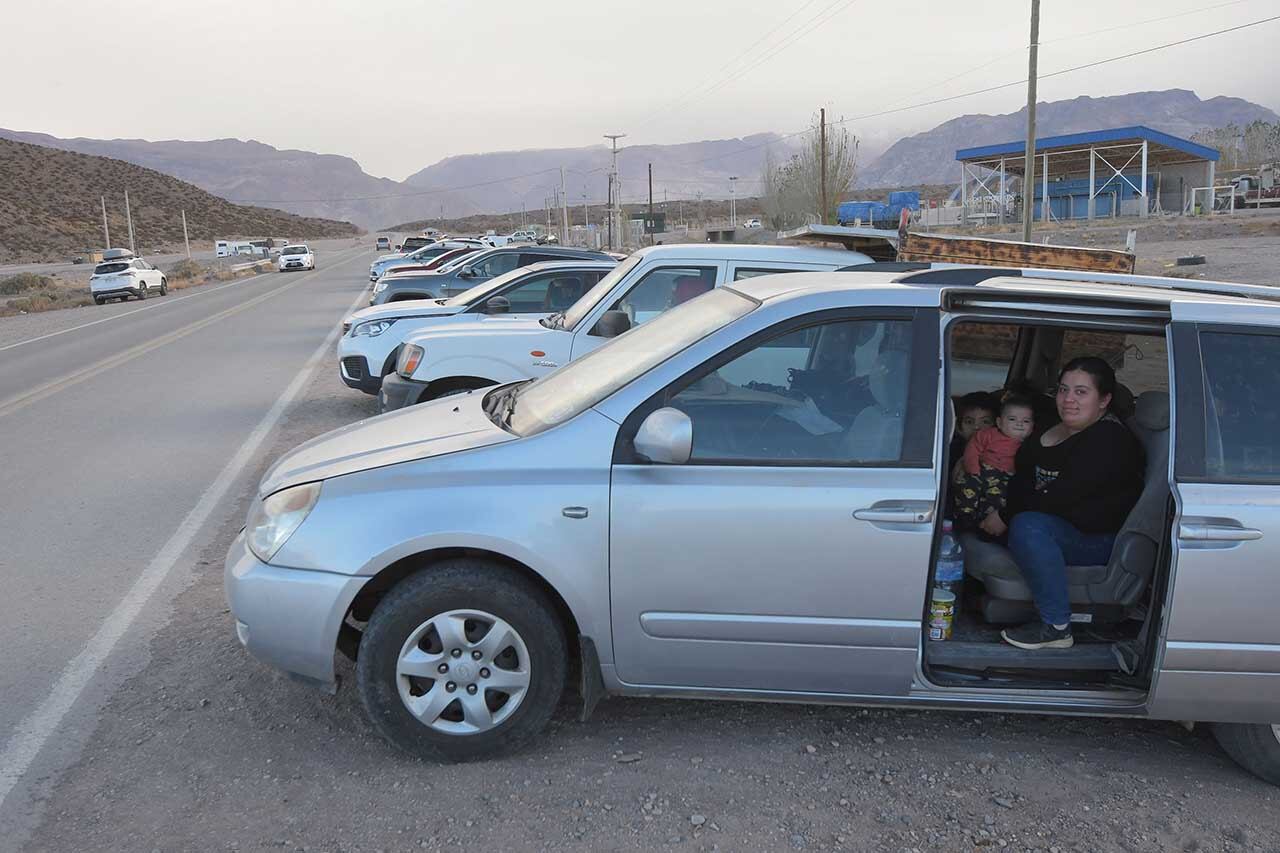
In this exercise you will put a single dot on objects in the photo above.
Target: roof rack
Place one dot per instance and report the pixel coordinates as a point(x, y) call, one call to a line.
point(976, 275)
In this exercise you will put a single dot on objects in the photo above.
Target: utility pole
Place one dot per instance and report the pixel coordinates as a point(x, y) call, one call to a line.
point(564, 210)
point(586, 214)
point(1029, 173)
point(823, 161)
point(702, 219)
point(185, 238)
point(615, 192)
point(733, 201)
point(650, 222)
point(106, 232)
point(129, 217)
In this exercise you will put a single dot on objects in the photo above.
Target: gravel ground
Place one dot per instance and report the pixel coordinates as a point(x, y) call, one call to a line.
point(206, 749)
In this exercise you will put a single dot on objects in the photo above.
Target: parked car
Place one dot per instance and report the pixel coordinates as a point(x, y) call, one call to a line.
point(383, 244)
point(639, 289)
point(753, 223)
point(381, 266)
point(371, 336)
point(121, 275)
point(296, 257)
point(478, 268)
point(411, 243)
point(524, 235)
point(430, 263)
point(742, 499)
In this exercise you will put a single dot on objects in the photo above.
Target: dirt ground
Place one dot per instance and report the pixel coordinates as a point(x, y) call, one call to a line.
point(206, 749)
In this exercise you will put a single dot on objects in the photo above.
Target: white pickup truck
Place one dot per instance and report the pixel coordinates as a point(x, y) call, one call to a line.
point(371, 337)
point(468, 355)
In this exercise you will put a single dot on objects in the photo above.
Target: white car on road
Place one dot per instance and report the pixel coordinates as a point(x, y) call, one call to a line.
point(462, 355)
point(120, 275)
point(296, 257)
point(371, 336)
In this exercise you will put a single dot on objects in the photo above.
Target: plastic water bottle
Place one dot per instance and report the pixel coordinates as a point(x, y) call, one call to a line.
point(948, 572)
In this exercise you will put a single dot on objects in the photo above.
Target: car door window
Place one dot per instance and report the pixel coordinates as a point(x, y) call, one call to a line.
point(1242, 405)
point(495, 265)
point(833, 393)
point(663, 288)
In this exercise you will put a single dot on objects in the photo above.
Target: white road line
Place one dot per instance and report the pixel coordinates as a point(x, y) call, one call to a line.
point(42, 723)
point(167, 301)
point(12, 404)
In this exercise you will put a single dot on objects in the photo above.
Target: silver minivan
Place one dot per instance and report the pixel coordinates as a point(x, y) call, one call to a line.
point(743, 498)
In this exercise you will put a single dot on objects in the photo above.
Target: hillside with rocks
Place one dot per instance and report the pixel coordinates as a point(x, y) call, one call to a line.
point(50, 206)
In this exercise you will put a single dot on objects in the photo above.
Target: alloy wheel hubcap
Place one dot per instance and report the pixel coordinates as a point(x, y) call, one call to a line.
point(463, 672)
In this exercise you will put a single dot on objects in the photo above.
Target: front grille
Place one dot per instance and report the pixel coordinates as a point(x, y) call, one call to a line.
point(354, 366)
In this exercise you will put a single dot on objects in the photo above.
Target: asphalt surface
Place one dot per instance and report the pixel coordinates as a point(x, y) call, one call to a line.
point(175, 739)
point(115, 427)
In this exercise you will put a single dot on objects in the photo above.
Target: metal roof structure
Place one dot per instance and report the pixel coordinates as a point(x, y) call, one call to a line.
point(1161, 148)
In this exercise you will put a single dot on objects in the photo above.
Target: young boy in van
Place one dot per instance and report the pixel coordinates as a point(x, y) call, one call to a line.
point(988, 462)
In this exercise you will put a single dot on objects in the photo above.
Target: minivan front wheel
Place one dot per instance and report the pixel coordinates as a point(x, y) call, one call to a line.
point(1254, 746)
point(464, 660)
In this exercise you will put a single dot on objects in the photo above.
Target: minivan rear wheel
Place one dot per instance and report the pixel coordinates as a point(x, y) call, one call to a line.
point(464, 660)
point(1254, 746)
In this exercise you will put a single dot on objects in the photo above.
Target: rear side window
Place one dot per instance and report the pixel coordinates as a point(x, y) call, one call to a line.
point(1241, 376)
point(742, 273)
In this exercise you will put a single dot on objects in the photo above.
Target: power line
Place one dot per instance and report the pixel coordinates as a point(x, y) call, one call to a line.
point(996, 88)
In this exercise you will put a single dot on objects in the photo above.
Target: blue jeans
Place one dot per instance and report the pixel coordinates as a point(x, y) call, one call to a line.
point(1043, 545)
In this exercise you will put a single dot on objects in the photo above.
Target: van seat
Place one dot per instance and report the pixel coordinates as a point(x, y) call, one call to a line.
point(1126, 575)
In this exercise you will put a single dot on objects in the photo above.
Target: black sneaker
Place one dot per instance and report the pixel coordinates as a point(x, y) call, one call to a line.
point(1037, 635)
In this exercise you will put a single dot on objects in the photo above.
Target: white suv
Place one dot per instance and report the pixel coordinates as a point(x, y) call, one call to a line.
point(371, 337)
point(123, 276)
point(470, 355)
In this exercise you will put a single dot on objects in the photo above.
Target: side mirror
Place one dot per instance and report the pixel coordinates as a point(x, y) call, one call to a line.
point(497, 305)
point(666, 436)
point(612, 324)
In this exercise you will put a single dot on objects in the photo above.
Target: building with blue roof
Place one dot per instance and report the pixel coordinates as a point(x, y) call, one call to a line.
point(1123, 171)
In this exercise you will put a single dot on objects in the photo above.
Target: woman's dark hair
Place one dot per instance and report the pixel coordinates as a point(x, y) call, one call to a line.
point(1104, 378)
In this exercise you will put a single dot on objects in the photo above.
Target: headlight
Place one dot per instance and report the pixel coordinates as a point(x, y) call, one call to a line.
point(380, 286)
point(410, 358)
point(274, 519)
point(372, 328)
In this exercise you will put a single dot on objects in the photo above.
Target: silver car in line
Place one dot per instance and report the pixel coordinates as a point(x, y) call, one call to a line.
point(743, 499)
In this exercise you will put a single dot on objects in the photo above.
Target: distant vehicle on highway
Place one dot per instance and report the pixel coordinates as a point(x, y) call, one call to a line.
point(383, 244)
point(77, 260)
point(753, 223)
point(296, 257)
point(121, 275)
point(222, 248)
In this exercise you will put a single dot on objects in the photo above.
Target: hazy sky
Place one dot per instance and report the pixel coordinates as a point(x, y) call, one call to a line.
point(399, 85)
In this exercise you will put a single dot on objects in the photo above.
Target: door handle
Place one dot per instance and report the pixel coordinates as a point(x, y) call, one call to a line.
point(888, 514)
point(1217, 532)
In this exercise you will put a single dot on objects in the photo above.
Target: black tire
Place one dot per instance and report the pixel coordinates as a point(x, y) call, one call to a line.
point(142, 293)
point(1254, 746)
point(164, 287)
point(461, 583)
point(98, 300)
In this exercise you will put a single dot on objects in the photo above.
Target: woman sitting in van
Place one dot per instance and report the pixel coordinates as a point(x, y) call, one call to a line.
point(1075, 485)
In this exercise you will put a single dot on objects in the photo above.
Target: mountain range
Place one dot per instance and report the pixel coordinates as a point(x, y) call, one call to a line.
point(336, 187)
point(51, 205)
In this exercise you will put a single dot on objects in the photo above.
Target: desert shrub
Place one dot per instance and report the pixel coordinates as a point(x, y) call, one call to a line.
point(185, 269)
point(22, 282)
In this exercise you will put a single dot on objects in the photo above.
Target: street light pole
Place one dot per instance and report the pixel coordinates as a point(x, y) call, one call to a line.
point(733, 201)
point(615, 188)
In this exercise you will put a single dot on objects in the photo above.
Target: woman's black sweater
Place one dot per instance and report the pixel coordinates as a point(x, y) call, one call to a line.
point(1092, 479)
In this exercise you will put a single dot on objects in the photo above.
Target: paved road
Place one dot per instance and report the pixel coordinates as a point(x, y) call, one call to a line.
point(120, 440)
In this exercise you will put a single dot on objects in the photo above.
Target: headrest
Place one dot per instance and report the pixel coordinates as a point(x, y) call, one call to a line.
point(1122, 402)
point(888, 380)
point(687, 287)
point(1153, 410)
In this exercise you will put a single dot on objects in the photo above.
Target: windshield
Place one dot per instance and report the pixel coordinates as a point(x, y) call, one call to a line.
point(294, 250)
point(107, 269)
point(583, 306)
point(586, 381)
point(480, 291)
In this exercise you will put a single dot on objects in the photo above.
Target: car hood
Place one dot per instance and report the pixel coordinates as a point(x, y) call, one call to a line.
point(407, 308)
point(484, 324)
point(381, 259)
point(431, 429)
